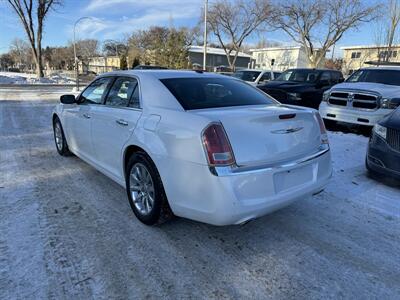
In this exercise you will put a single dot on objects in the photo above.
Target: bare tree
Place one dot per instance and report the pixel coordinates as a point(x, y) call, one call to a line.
point(387, 27)
point(86, 48)
point(318, 25)
point(21, 53)
point(32, 14)
point(233, 21)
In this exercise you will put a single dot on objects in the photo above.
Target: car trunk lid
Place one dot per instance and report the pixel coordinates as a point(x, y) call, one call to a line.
point(267, 134)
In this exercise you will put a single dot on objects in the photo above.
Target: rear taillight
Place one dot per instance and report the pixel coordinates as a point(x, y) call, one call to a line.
point(216, 145)
point(324, 134)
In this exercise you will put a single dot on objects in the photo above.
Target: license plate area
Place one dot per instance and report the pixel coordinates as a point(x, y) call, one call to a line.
point(294, 178)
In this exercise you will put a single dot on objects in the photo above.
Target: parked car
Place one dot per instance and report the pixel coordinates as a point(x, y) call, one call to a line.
point(304, 87)
point(256, 77)
point(383, 154)
point(366, 97)
point(203, 146)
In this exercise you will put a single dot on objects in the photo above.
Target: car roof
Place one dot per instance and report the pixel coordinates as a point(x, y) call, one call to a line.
point(314, 69)
point(163, 74)
point(257, 70)
point(382, 68)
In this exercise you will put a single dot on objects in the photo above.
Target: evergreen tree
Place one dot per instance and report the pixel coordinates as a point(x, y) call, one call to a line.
point(123, 65)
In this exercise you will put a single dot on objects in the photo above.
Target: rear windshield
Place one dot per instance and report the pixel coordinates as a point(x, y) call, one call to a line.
point(199, 93)
point(391, 77)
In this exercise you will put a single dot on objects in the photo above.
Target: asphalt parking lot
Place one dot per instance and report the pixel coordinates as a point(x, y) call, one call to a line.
point(67, 231)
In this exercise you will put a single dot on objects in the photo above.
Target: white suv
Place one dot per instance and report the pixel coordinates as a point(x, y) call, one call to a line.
point(365, 98)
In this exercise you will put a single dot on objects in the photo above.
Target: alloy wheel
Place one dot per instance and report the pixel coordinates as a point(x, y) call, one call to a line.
point(58, 136)
point(142, 188)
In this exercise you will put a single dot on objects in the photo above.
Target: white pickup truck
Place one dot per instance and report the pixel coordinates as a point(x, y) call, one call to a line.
point(364, 98)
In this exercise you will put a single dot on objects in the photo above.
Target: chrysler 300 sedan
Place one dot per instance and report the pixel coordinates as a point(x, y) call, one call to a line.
point(201, 146)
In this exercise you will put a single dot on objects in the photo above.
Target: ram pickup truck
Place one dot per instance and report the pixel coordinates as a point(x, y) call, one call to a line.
point(366, 97)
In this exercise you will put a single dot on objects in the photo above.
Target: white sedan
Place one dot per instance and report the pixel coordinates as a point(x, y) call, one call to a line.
point(201, 146)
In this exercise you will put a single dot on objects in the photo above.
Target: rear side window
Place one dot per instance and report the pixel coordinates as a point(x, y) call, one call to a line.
point(266, 76)
point(336, 77)
point(121, 92)
point(277, 74)
point(199, 93)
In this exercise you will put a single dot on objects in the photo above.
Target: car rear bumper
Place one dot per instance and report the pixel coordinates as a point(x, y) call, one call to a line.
point(240, 196)
point(353, 116)
point(382, 158)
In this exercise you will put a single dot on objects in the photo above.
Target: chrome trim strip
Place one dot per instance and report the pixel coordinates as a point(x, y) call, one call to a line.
point(236, 170)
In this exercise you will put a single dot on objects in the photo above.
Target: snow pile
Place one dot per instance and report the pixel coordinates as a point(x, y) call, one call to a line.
point(24, 78)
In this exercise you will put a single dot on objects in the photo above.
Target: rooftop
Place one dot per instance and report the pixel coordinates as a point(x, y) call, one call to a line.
point(367, 47)
point(280, 48)
point(216, 51)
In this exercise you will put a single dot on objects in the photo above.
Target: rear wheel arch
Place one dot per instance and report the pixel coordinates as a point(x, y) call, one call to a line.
point(132, 153)
point(129, 151)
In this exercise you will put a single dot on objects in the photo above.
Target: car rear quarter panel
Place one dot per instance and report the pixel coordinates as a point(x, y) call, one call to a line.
point(175, 146)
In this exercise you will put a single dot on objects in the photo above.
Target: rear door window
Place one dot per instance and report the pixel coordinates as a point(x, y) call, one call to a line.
point(326, 76)
point(335, 77)
point(121, 92)
point(265, 77)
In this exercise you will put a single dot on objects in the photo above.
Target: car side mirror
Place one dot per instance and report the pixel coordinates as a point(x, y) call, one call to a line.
point(341, 80)
point(67, 99)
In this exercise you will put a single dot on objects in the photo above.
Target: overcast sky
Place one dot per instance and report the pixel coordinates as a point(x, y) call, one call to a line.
point(112, 19)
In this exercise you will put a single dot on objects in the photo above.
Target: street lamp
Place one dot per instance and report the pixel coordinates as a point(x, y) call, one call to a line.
point(205, 35)
point(75, 57)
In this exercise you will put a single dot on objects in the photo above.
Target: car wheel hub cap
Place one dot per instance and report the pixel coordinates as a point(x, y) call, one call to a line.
point(142, 188)
point(58, 136)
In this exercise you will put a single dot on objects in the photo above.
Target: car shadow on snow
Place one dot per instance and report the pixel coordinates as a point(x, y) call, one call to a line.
point(349, 128)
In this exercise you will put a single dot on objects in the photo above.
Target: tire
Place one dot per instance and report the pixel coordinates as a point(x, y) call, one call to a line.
point(370, 173)
point(330, 124)
point(145, 190)
point(59, 138)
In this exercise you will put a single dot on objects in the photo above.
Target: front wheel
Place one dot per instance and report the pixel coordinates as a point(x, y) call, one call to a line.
point(145, 190)
point(59, 138)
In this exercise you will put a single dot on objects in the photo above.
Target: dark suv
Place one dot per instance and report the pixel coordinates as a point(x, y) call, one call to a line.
point(303, 87)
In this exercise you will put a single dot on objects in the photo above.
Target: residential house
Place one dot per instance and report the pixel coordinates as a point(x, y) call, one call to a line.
point(281, 58)
point(355, 57)
point(100, 64)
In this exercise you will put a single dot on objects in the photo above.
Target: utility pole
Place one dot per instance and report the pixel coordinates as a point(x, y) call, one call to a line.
point(75, 57)
point(205, 35)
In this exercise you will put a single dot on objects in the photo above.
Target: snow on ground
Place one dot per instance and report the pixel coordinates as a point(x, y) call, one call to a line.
point(67, 231)
point(25, 78)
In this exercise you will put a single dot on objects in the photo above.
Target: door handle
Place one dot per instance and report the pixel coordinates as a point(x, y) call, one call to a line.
point(86, 116)
point(122, 122)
